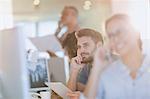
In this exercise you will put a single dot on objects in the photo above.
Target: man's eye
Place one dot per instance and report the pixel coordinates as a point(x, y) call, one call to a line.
point(85, 46)
point(78, 47)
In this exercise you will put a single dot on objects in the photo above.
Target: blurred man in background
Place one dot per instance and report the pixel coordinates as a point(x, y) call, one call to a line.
point(69, 19)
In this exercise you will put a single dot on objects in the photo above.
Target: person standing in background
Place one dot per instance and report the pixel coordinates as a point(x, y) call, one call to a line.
point(69, 19)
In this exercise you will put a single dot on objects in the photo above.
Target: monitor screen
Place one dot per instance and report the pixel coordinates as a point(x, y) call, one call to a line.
point(38, 74)
point(13, 73)
point(57, 70)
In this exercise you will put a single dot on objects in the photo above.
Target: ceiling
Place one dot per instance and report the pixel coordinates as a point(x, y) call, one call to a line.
point(24, 9)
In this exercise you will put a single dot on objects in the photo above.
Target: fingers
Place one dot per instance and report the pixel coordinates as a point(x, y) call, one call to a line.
point(99, 58)
point(78, 59)
point(73, 94)
point(76, 64)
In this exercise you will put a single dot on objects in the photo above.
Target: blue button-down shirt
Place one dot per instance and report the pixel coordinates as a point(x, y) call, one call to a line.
point(116, 82)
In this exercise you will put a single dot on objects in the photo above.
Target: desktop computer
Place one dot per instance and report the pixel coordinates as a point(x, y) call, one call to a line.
point(13, 73)
point(38, 74)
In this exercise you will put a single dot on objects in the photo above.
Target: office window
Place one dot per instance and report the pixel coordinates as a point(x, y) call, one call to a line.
point(46, 27)
point(33, 29)
point(29, 29)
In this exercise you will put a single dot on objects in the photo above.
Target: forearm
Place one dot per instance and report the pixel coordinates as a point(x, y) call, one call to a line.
point(72, 83)
point(80, 87)
point(76, 67)
point(92, 85)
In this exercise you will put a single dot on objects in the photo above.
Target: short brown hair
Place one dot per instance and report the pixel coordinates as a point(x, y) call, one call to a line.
point(96, 36)
point(119, 16)
point(72, 8)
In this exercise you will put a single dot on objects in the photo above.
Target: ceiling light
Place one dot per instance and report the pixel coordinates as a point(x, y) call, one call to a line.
point(36, 2)
point(87, 5)
point(87, 2)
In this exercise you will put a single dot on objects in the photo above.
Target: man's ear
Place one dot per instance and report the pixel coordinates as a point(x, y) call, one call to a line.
point(99, 44)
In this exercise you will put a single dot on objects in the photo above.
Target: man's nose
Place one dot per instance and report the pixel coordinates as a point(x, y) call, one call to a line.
point(83, 49)
point(111, 44)
point(113, 40)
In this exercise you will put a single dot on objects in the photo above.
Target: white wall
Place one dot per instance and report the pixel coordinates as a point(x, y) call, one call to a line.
point(146, 46)
point(6, 18)
point(138, 10)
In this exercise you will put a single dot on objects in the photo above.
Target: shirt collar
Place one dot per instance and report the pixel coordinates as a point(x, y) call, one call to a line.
point(145, 67)
point(146, 64)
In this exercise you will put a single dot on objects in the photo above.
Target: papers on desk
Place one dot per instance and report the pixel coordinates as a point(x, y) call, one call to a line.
point(47, 43)
point(59, 88)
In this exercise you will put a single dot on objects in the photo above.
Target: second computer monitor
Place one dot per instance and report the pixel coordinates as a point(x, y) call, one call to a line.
point(58, 70)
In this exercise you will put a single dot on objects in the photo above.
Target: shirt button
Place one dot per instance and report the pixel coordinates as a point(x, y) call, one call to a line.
point(133, 83)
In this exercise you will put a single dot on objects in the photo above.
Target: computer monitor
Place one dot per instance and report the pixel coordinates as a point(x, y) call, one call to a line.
point(13, 74)
point(38, 74)
point(58, 70)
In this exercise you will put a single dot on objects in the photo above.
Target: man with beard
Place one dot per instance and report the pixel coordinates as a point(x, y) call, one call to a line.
point(87, 42)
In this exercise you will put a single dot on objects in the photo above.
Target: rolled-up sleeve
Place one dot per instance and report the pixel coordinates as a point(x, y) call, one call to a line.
point(84, 75)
